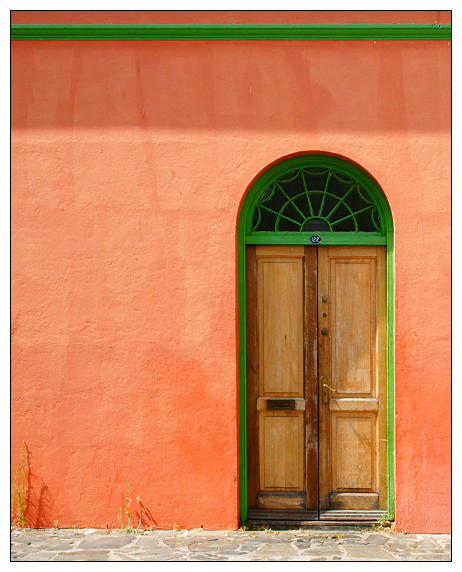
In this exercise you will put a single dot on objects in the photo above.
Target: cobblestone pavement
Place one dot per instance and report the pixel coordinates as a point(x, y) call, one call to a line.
point(198, 545)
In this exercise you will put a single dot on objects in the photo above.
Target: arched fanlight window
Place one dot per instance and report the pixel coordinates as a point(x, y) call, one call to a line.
point(316, 194)
point(316, 199)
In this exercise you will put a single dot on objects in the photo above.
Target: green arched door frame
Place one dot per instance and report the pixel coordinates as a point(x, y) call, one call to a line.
point(246, 236)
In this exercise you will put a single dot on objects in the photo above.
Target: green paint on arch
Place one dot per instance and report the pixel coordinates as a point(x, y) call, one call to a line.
point(383, 235)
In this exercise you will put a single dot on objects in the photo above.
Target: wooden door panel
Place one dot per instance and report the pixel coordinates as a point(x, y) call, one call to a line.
point(353, 452)
point(280, 308)
point(280, 374)
point(351, 286)
point(354, 501)
point(281, 451)
point(352, 312)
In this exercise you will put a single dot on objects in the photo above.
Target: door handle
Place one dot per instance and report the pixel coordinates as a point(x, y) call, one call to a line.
point(325, 389)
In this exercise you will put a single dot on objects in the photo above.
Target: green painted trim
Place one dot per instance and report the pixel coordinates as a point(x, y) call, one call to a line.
point(360, 31)
point(326, 238)
point(246, 237)
point(242, 365)
point(390, 372)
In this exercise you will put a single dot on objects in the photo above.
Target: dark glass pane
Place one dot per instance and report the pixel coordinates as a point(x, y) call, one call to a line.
point(364, 221)
point(289, 176)
point(275, 201)
point(293, 188)
point(301, 203)
point(266, 194)
point(315, 224)
point(364, 195)
point(268, 220)
point(376, 218)
point(344, 226)
point(291, 212)
point(355, 202)
point(329, 203)
point(315, 199)
point(316, 182)
point(287, 226)
point(347, 225)
point(316, 170)
point(343, 178)
point(339, 188)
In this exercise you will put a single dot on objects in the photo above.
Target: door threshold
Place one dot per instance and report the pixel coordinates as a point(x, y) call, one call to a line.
point(333, 520)
point(352, 515)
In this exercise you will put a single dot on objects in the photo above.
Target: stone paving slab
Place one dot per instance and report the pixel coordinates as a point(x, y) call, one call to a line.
point(93, 545)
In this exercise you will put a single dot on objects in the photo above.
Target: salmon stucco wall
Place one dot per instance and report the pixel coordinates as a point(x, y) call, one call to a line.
point(129, 161)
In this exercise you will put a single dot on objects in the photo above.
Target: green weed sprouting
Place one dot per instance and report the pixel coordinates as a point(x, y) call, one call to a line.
point(382, 521)
point(18, 491)
point(127, 508)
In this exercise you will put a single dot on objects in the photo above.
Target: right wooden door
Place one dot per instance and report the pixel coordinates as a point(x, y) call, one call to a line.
point(352, 374)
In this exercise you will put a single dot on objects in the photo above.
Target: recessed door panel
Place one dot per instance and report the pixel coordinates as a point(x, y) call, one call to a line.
point(352, 293)
point(280, 327)
point(353, 447)
point(281, 450)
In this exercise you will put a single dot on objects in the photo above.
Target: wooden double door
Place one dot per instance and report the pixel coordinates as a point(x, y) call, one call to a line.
point(316, 378)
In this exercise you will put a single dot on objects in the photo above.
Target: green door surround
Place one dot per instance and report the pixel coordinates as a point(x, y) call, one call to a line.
point(246, 236)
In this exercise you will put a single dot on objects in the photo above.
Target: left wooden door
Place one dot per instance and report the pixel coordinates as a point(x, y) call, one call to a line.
point(281, 378)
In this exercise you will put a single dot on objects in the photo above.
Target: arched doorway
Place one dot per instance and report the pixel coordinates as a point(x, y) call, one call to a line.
point(316, 343)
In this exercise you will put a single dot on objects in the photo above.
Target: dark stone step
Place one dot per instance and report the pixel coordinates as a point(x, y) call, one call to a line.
point(306, 515)
point(255, 524)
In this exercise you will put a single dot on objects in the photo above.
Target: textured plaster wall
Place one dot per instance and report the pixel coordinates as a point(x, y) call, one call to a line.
point(226, 16)
point(130, 160)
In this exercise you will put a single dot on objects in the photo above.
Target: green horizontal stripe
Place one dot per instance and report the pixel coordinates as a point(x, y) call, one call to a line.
point(362, 31)
point(326, 238)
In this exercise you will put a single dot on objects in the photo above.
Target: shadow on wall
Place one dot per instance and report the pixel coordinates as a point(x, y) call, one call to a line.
point(31, 502)
point(281, 85)
point(146, 518)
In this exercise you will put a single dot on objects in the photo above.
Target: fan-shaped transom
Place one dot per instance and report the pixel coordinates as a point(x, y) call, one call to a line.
point(315, 199)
